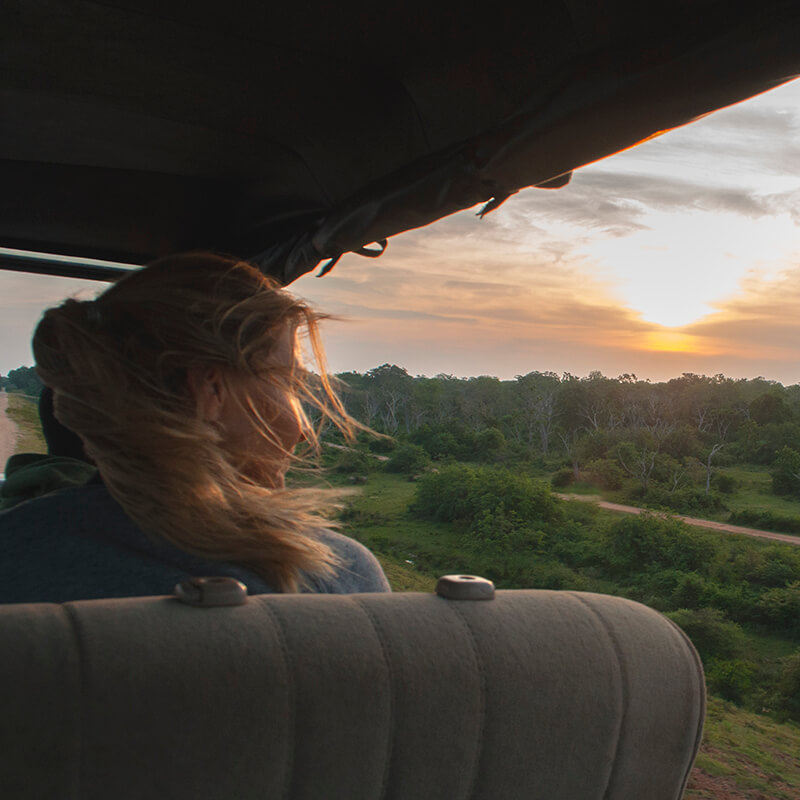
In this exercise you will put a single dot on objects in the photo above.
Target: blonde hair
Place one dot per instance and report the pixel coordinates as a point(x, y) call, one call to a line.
point(118, 366)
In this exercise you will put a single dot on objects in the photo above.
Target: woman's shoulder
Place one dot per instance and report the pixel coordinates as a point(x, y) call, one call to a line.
point(358, 569)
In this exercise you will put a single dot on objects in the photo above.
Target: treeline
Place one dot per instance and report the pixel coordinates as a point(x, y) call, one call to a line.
point(23, 380)
point(663, 441)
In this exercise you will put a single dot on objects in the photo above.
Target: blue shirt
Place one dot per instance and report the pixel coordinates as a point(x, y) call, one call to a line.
point(78, 544)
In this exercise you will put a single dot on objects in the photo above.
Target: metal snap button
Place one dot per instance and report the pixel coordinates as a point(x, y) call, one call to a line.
point(465, 587)
point(210, 592)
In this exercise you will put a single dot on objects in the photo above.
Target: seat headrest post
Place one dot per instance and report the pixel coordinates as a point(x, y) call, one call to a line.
point(465, 587)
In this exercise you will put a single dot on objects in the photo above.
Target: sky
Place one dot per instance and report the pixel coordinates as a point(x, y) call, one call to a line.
point(680, 255)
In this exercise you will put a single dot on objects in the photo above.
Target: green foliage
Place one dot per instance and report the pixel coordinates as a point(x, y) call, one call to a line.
point(712, 633)
point(605, 473)
point(731, 680)
point(692, 591)
point(382, 445)
point(786, 472)
point(686, 500)
point(766, 521)
point(789, 687)
point(780, 607)
point(489, 444)
point(639, 543)
point(726, 484)
point(562, 478)
point(769, 407)
point(490, 502)
point(22, 379)
point(408, 458)
point(444, 441)
point(352, 462)
point(681, 442)
point(762, 445)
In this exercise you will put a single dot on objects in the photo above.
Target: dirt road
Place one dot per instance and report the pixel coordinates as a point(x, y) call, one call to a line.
point(698, 523)
point(8, 432)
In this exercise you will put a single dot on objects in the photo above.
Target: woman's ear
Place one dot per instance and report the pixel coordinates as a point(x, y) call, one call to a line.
point(208, 388)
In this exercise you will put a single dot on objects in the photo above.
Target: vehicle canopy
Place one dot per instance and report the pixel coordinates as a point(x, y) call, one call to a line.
point(293, 133)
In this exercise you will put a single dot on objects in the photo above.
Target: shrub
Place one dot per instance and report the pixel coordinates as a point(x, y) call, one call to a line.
point(441, 442)
point(686, 500)
point(712, 633)
point(731, 680)
point(606, 474)
point(562, 478)
point(786, 472)
point(781, 607)
point(352, 461)
point(690, 592)
point(410, 458)
point(489, 443)
point(491, 502)
point(639, 543)
point(766, 520)
point(726, 484)
point(382, 445)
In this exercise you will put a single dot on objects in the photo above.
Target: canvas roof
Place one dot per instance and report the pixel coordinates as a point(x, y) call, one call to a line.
point(293, 132)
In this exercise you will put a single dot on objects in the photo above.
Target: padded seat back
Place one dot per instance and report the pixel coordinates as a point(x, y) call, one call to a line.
point(535, 694)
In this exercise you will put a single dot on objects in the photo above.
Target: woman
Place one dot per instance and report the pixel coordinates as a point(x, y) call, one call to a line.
point(185, 384)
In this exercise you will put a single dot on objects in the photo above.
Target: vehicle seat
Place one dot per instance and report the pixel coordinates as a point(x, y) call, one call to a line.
point(532, 694)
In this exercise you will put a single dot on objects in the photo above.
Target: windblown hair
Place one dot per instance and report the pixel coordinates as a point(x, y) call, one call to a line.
point(119, 369)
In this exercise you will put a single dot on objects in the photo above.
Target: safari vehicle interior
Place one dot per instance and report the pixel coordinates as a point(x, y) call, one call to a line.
point(291, 135)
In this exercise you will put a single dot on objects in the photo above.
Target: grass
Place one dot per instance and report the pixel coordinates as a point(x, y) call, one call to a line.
point(580, 487)
point(754, 492)
point(378, 517)
point(24, 411)
point(404, 578)
point(745, 755)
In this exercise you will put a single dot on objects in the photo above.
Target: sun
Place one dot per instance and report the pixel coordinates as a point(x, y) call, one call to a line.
point(670, 341)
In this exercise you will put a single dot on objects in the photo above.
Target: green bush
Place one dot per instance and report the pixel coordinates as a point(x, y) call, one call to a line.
point(712, 633)
point(442, 442)
point(606, 474)
point(726, 484)
point(691, 591)
point(765, 520)
point(491, 502)
point(352, 461)
point(644, 542)
point(562, 478)
point(409, 458)
point(685, 500)
point(786, 472)
point(382, 445)
point(780, 607)
point(731, 680)
point(489, 444)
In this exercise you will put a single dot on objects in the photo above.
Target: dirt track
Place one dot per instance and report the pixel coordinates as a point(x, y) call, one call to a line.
point(698, 523)
point(8, 432)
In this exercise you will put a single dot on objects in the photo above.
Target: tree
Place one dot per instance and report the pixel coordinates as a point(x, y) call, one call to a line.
point(770, 407)
point(711, 453)
point(23, 379)
point(786, 472)
point(388, 390)
point(638, 462)
point(536, 407)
